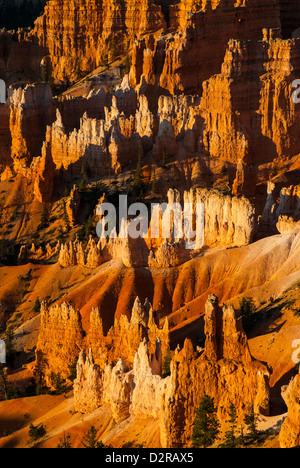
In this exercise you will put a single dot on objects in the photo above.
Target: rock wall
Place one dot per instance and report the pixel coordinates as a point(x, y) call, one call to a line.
point(181, 61)
point(290, 431)
point(62, 337)
point(225, 370)
point(20, 59)
point(227, 221)
point(247, 109)
point(103, 26)
point(31, 110)
point(283, 215)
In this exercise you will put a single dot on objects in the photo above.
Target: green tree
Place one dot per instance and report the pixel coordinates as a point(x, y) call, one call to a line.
point(248, 309)
point(4, 386)
point(66, 217)
point(206, 425)
point(59, 384)
point(65, 442)
point(138, 182)
point(37, 306)
point(9, 337)
point(167, 364)
point(44, 222)
point(36, 432)
point(153, 189)
point(73, 371)
point(89, 227)
point(165, 157)
point(251, 421)
point(230, 440)
point(90, 439)
point(39, 370)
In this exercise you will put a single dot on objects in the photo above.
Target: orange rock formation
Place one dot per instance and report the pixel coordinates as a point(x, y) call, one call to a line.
point(174, 400)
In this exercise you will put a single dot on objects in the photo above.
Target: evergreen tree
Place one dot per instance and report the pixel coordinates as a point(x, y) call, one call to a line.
point(165, 157)
point(9, 336)
point(65, 442)
point(230, 440)
point(44, 222)
point(66, 217)
point(166, 364)
point(39, 370)
point(73, 371)
point(89, 227)
point(3, 381)
point(153, 190)
point(251, 420)
point(90, 439)
point(36, 432)
point(206, 425)
point(37, 306)
point(247, 308)
point(138, 183)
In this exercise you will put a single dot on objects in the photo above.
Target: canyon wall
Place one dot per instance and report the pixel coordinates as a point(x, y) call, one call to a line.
point(224, 370)
point(61, 337)
point(79, 37)
point(248, 111)
point(180, 62)
point(290, 432)
point(225, 221)
point(20, 58)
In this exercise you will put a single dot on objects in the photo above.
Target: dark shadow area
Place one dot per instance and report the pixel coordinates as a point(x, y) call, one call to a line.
point(277, 405)
point(10, 425)
point(194, 331)
point(20, 14)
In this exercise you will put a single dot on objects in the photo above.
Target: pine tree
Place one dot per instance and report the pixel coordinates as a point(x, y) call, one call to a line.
point(37, 306)
point(153, 190)
point(138, 183)
point(247, 307)
point(90, 439)
point(251, 420)
point(9, 336)
point(230, 440)
point(39, 370)
point(66, 217)
point(3, 378)
point(65, 442)
point(206, 425)
point(167, 363)
point(44, 219)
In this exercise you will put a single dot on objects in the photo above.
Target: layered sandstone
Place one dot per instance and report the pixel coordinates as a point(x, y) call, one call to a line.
point(104, 28)
point(225, 370)
point(290, 432)
point(124, 337)
point(255, 76)
point(283, 214)
point(32, 109)
point(181, 61)
point(60, 339)
point(168, 242)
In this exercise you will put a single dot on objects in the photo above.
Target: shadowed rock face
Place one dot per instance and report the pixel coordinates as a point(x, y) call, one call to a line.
point(20, 13)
